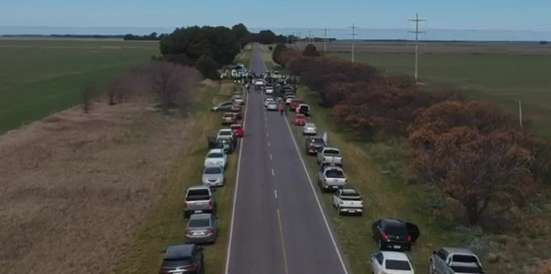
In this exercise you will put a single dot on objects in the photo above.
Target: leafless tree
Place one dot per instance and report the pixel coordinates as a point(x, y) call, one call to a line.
point(173, 84)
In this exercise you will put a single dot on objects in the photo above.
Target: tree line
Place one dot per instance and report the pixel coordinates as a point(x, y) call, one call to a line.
point(471, 150)
point(209, 48)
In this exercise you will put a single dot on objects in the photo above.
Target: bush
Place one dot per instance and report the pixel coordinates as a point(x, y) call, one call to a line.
point(208, 67)
point(310, 51)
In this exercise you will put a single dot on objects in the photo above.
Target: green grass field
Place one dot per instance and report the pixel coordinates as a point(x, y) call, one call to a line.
point(39, 77)
point(504, 75)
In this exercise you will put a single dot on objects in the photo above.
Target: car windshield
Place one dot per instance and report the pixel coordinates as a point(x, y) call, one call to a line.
point(464, 259)
point(334, 173)
point(396, 229)
point(466, 269)
point(198, 194)
point(225, 133)
point(213, 170)
point(176, 262)
point(215, 155)
point(397, 265)
point(350, 195)
point(331, 152)
point(202, 222)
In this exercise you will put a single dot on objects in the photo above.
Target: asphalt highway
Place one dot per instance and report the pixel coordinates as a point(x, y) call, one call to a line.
point(278, 224)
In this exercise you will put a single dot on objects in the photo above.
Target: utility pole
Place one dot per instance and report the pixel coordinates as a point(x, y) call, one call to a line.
point(325, 40)
point(520, 113)
point(353, 43)
point(417, 32)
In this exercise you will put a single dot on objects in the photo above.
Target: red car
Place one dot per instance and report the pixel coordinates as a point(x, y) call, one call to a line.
point(299, 120)
point(238, 130)
point(295, 103)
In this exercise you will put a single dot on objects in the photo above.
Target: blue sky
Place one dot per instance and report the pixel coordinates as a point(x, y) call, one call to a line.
point(442, 14)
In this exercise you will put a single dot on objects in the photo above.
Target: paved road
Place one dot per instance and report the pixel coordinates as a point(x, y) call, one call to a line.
point(278, 226)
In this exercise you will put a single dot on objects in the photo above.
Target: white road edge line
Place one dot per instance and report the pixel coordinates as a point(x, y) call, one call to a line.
point(343, 265)
point(228, 252)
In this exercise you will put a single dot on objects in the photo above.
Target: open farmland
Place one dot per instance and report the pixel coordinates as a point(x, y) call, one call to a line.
point(40, 77)
point(498, 72)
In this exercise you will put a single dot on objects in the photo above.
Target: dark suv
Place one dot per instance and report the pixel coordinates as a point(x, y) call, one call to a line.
point(186, 258)
point(313, 145)
point(394, 234)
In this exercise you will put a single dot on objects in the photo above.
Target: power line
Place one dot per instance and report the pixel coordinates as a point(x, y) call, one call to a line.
point(417, 20)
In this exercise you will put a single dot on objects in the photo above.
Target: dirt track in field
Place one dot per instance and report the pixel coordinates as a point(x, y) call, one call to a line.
point(74, 187)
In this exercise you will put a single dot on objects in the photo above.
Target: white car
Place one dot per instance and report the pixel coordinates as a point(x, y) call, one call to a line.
point(269, 90)
point(225, 133)
point(258, 82)
point(268, 101)
point(309, 129)
point(289, 98)
point(216, 158)
point(348, 200)
point(238, 100)
point(271, 106)
point(391, 262)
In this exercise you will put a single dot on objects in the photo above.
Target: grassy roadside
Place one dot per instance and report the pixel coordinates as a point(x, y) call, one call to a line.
point(378, 171)
point(165, 224)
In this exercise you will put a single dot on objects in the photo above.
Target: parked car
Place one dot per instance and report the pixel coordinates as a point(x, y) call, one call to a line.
point(199, 199)
point(213, 176)
point(229, 118)
point(299, 120)
point(201, 229)
point(295, 103)
point(303, 109)
point(289, 98)
point(225, 133)
point(448, 260)
point(394, 234)
point(391, 262)
point(309, 129)
point(331, 178)
point(224, 106)
point(216, 158)
point(259, 82)
point(348, 201)
point(187, 258)
point(268, 90)
point(238, 130)
point(268, 100)
point(272, 106)
point(313, 144)
point(330, 155)
point(237, 99)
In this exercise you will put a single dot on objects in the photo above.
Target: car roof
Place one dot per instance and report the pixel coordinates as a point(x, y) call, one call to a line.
point(198, 187)
point(179, 251)
point(310, 124)
point(224, 129)
point(300, 115)
point(200, 216)
point(458, 250)
point(331, 148)
point(394, 255)
point(216, 150)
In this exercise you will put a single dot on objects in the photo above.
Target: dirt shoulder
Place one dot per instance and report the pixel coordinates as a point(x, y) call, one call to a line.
point(74, 187)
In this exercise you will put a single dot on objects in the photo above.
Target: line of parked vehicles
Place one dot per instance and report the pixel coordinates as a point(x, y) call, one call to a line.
point(200, 202)
point(393, 236)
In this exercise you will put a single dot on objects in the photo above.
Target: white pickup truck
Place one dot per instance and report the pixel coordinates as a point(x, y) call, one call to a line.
point(331, 178)
point(449, 260)
point(348, 201)
point(330, 156)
